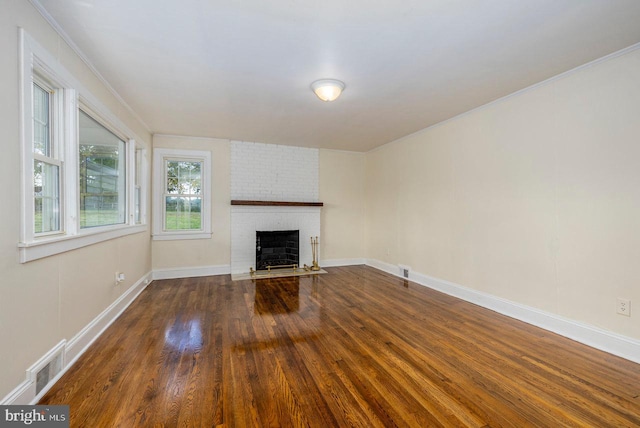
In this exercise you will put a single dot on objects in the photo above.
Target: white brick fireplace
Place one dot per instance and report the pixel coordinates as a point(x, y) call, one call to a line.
point(265, 172)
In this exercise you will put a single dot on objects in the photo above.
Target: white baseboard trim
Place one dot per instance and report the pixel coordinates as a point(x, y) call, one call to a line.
point(613, 343)
point(25, 393)
point(22, 394)
point(191, 272)
point(342, 262)
point(81, 341)
point(383, 266)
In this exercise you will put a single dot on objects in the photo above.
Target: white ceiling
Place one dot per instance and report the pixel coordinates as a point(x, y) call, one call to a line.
point(242, 69)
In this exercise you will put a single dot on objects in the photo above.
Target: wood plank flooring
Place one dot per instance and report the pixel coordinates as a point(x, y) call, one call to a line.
point(354, 347)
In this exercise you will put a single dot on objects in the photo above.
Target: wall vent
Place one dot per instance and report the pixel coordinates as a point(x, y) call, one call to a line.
point(47, 368)
point(405, 271)
point(48, 372)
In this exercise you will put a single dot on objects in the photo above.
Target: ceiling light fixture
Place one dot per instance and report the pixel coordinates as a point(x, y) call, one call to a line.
point(327, 89)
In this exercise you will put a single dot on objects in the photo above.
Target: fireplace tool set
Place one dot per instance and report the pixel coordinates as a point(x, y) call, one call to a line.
point(314, 251)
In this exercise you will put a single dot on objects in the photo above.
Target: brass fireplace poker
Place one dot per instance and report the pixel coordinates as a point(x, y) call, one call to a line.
point(314, 252)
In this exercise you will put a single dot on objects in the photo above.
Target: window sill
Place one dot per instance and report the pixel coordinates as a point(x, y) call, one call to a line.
point(181, 235)
point(46, 247)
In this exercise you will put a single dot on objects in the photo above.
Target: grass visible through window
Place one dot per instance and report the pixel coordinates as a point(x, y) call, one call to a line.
point(176, 220)
point(93, 218)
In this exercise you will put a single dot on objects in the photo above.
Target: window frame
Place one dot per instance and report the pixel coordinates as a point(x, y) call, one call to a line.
point(128, 208)
point(160, 157)
point(56, 155)
point(138, 178)
point(38, 65)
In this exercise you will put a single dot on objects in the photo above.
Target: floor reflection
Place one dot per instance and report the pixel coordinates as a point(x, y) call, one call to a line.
point(184, 336)
point(277, 296)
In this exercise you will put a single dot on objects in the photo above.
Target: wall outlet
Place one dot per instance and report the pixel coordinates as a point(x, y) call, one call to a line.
point(623, 307)
point(119, 277)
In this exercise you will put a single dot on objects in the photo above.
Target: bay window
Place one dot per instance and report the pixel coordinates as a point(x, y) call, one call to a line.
point(83, 177)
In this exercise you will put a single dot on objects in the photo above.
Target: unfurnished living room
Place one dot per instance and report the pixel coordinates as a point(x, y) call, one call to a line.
point(360, 213)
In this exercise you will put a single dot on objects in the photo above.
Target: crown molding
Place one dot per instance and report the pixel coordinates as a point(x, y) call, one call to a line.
point(58, 29)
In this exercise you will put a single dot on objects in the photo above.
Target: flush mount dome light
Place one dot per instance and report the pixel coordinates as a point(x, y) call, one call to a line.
point(327, 89)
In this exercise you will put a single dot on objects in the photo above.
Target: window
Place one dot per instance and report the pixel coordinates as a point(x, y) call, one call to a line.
point(102, 161)
point(47, 168)
point(139, 195)
point(181, 182)
point(83, 176)
point(182, 195)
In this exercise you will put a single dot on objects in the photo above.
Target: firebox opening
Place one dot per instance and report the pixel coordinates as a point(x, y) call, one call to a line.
point(277, 248)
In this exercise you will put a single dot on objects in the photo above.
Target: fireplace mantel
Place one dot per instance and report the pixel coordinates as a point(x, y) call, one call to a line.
point(276, 203)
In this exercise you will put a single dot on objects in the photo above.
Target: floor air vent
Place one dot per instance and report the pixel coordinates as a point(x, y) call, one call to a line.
point(404, 271)
point(49, 366)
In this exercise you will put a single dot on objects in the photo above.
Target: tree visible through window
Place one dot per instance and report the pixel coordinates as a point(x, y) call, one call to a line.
point(83, 177)
point(46, 168)
point(183, 195)
point(102, 175)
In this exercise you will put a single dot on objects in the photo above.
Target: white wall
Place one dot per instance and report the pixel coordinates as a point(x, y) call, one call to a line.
point(336, 178)
point(45, 301)
point(534, 199)
point(207, 255)
point(268, 172)
point(342, 190)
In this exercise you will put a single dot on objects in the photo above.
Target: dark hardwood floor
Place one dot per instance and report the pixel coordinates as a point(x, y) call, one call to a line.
point(355, 347)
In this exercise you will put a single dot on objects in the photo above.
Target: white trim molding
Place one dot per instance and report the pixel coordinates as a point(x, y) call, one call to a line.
point(25, 392)
point(69, 97)
point(607, 341)
point(519, 92)
point(81, 341)
point(58, 29)
point(342, 262)
point(191, 272)
point(44, 248)
point(160, 157)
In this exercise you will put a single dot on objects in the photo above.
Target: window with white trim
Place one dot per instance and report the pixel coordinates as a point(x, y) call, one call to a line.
point(102, 178)
point(139, 187)
point(47, 164)
point(182, 207)
point(83, 178)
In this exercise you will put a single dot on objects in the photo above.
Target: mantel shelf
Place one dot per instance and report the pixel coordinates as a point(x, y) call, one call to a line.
point(276, 203)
